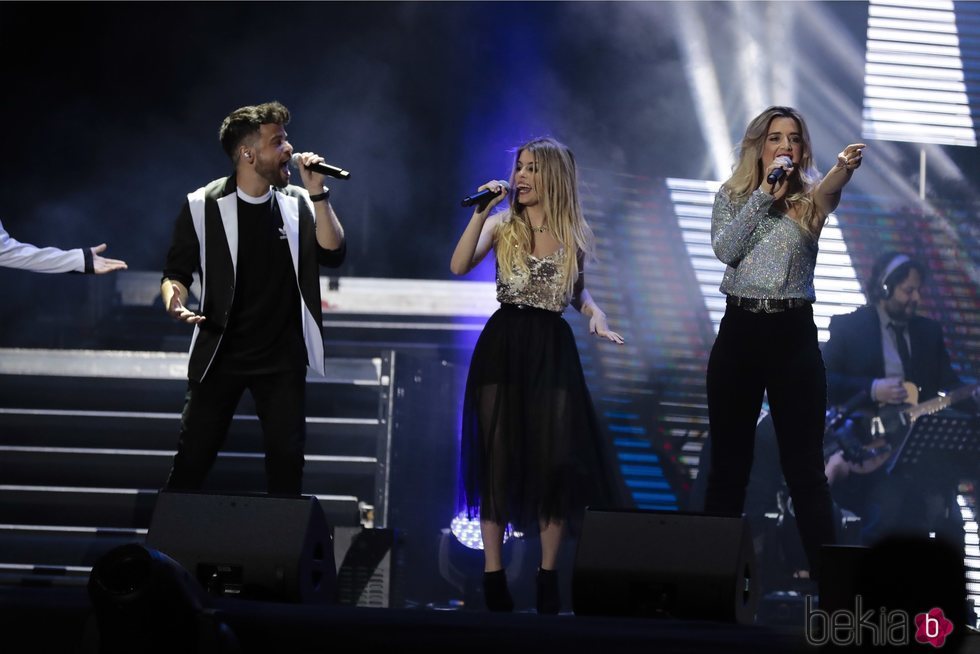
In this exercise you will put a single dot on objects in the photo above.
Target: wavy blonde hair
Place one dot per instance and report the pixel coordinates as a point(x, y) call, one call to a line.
point(748, 171)
point(557, 186)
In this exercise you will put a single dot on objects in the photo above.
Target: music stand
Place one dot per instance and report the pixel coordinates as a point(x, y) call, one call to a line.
point(946, 442)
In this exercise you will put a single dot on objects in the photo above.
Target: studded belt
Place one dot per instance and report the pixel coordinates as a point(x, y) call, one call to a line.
point(766, 305)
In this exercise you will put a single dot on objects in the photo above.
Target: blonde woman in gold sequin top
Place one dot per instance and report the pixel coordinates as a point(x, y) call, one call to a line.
point(531, 449)
point(765, 223)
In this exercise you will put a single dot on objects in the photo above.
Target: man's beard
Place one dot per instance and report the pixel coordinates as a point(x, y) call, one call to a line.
point(273, 174)
point(903, 313)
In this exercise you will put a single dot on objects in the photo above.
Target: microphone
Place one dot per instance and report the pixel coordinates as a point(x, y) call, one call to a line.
point(483, 197)
point(785, 162)
point(322, 168)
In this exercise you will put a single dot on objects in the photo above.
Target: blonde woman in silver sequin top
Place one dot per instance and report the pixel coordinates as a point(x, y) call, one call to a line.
point(530, 447)
point(765, 223)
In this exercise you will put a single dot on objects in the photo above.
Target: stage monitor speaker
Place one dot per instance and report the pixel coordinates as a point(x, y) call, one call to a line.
point(365, 574)
point(253, 546)
point(665, 563)
point(910, 574)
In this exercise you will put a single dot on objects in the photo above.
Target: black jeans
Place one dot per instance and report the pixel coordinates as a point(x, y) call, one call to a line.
point(280, 402)
point(778, 354)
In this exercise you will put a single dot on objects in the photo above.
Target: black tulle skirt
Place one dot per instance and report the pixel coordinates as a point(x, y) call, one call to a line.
point(531, 448)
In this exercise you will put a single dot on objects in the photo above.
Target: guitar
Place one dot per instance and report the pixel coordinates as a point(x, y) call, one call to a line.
point(889, 424)
point(892, 417)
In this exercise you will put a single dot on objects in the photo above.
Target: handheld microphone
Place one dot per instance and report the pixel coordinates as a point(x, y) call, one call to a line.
point(785, 162)
point(322, 168)
point(483, 197)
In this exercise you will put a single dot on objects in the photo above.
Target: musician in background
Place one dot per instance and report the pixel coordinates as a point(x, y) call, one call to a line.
point(883, 356)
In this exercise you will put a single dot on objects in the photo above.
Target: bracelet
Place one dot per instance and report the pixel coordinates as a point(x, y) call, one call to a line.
point(89, 258)
point(321, 196)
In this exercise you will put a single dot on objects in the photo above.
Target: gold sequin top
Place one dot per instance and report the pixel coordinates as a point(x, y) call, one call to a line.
point(768, 254)
point(542, 288)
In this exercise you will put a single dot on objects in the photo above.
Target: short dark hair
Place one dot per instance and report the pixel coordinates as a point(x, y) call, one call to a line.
point(246, 121)
point(879, 281)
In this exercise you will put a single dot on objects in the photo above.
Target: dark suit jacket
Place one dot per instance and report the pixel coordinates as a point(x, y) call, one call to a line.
point(853, 356)
point(208, 245)
point(886, 503)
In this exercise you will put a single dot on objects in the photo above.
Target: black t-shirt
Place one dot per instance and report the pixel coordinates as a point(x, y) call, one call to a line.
point(264, 332)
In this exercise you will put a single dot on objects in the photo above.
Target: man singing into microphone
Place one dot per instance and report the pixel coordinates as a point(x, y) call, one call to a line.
point(257, 243)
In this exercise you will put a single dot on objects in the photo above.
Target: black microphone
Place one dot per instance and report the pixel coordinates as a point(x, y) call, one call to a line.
point(322, 168)
point(774, 176)
point(483, 197)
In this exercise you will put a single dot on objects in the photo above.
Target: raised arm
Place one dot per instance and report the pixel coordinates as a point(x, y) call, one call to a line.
point(477, 238)
point(329, 231)
point(827, 195)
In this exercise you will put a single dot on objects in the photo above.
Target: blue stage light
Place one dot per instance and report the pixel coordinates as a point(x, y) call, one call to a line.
point(467, 531)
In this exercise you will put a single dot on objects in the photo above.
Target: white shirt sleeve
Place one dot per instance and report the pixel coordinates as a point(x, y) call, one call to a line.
point(14, 254)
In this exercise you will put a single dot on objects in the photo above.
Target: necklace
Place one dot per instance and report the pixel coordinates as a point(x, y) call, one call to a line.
point(537, 230)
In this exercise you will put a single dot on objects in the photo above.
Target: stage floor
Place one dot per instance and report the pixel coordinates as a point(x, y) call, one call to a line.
point(59, 620)
point(42, 620)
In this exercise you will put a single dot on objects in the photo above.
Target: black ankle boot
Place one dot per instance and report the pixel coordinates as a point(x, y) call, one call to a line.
point(495, 592)
point(549, 601)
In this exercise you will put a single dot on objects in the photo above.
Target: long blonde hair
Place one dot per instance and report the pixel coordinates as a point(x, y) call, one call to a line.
point(748, 171)
point(557, 186)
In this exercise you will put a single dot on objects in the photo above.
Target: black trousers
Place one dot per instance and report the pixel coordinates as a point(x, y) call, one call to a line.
point(280, 402)
point(778, 354)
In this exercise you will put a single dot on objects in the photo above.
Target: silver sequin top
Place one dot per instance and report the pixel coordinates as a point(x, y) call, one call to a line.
point(543, 288)
point(768, 254)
